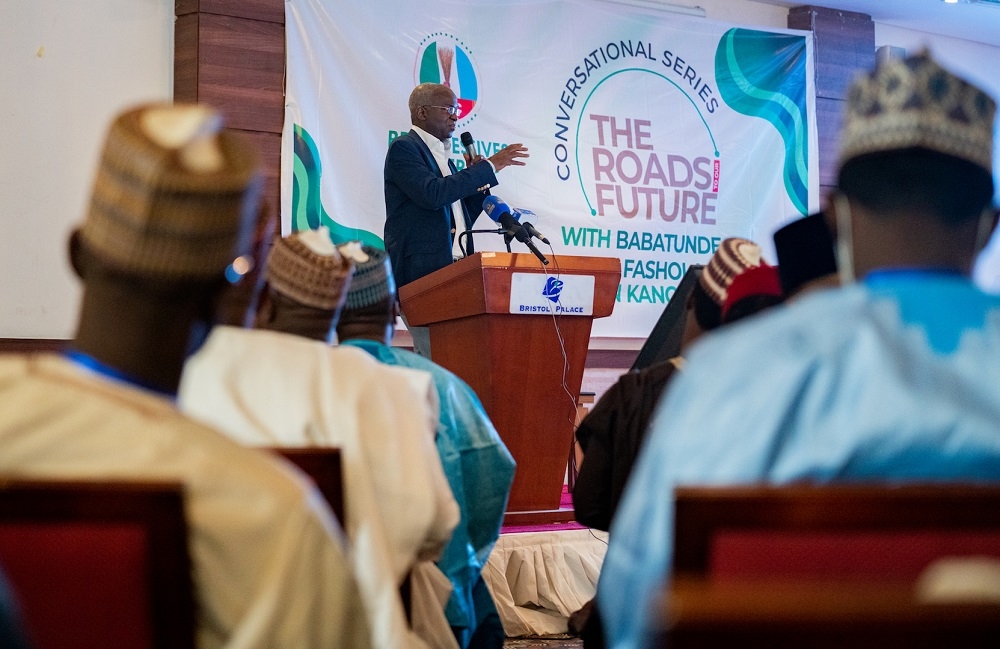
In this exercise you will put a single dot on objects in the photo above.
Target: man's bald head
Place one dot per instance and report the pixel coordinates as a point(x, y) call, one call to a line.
point(431, 109)
point(429, 94)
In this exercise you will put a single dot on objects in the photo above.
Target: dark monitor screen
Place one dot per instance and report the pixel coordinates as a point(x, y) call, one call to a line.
point(664, 341)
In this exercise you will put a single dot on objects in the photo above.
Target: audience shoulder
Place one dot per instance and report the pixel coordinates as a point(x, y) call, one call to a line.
point(12, 367)
point(172, 444)
point(813, 324)
point(417, 384)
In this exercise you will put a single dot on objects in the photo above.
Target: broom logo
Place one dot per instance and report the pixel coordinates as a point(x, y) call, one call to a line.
point(442, 58)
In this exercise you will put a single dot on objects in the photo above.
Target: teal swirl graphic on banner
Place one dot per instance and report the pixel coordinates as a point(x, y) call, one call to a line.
point(307, 205)
point(763, 74)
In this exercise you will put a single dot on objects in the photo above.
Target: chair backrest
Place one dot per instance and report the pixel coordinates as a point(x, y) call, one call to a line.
point(843, 531)
point(323, 465)
point(819, 615)
point(98, 564)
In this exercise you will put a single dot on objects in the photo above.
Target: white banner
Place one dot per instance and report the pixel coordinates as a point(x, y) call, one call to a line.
point(652, 136)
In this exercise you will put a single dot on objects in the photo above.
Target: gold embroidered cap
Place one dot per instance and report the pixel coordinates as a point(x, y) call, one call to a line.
point(308, 268)
point(176, 208)
point(914, 102)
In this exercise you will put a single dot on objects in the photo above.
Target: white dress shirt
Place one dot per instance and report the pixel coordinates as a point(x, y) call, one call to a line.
point(440, 154)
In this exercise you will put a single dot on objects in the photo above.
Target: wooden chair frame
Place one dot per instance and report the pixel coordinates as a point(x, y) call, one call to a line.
point(324, 466)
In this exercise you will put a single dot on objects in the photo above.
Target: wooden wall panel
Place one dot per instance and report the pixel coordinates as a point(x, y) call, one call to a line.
point(829, 117)
point(611, 358)
point(266, 10)
point(241, 67)
point(186, 58)
point(844, 45)
point(184, 7)
point(269, 145)
point(230, 54)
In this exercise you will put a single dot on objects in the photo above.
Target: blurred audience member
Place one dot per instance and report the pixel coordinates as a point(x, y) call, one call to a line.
point(171, 209)
point(893, 378)
point(11, 628)
point(283, 385)
point(479, 468)
point(806, 258)
point(612, 433)
point(751, 292)
point(238, 303)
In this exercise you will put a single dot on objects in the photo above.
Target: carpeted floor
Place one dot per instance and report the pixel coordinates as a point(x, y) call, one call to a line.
point(546, 642)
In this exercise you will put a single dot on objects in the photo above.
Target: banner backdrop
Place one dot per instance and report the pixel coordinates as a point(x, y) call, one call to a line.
point(652, 136)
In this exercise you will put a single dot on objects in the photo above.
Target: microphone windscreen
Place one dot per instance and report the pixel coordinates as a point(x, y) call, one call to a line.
point(494, 207)
point(467, 139)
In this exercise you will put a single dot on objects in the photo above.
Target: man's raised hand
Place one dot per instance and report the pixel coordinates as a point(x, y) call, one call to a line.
point(509, 155)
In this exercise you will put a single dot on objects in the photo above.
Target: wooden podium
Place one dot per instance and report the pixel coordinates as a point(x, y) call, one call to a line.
point(514, 361)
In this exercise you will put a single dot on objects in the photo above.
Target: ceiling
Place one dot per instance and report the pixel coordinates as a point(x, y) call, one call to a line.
point(974, 22)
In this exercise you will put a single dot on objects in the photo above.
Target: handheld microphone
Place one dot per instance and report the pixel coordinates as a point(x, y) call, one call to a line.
point(470, 150)
point(469, 144)
point(500, 212)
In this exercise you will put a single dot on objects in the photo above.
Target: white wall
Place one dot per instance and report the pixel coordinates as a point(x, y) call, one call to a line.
point(980, 64)
point(743, 12)
point(65, 69)
point(975, 61)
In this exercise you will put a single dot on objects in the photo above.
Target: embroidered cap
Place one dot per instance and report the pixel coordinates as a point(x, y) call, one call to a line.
point(372, 280)
point(914, 102)
point(759, 280)
point(168, 202)
point(308, 268)
point(732, 258)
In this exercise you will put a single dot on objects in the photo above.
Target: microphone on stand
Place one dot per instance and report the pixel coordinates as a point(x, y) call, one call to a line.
point(499, 211)
point(529, 228)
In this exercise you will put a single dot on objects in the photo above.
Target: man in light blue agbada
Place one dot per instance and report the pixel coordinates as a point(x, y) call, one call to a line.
point(477, 464)
point(893, 378)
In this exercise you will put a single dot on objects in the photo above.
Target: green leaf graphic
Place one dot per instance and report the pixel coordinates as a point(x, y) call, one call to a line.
point(307, 205)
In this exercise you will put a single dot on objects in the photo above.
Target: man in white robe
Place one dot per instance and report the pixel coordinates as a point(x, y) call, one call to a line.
point(172, 200)
point(283, 385)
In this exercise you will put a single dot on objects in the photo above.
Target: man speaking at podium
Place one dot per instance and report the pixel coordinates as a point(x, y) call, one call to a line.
point(428, 202)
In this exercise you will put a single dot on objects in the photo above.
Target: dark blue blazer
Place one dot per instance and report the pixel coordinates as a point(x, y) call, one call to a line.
point(418, 207)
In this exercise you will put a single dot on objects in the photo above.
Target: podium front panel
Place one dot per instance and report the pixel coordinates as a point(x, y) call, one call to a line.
point(526, 368)
point(516, 367)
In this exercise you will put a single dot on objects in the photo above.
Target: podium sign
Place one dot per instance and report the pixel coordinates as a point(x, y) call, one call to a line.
point(517, 333)
point(563, 295)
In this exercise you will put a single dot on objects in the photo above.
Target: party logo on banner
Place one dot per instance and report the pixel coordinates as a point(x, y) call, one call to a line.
point(443, 58)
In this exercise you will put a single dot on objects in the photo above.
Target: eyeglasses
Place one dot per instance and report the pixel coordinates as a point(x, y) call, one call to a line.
point(451, 110)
